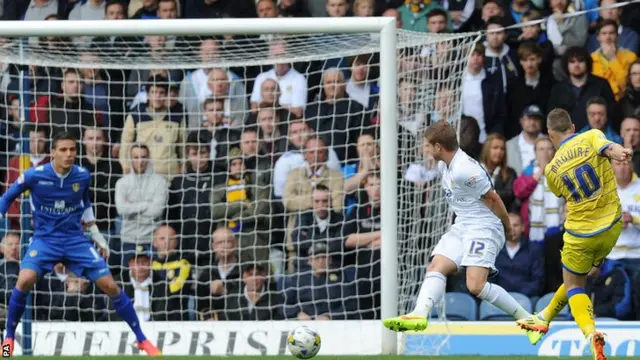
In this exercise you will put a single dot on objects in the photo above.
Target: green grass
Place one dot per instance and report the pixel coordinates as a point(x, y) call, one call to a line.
point(316, 358)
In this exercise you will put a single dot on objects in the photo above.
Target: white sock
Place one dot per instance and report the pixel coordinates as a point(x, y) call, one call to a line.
point(431, 292)
point(502, 300)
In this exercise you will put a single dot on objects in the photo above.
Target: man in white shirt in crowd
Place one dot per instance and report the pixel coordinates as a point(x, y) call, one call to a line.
point(293, 85)
point(521, 148)
point(627, 249)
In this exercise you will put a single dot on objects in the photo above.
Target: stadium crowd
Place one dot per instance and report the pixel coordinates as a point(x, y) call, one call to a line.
point(253, 192)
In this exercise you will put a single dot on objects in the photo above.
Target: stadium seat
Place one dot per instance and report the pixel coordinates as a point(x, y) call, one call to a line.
point(459, 307)
point(545, 300)
point(523, 300)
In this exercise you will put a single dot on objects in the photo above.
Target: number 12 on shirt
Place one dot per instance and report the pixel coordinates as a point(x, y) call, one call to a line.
point(587, 179)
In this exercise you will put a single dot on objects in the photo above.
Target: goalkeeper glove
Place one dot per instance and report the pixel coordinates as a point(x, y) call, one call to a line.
point(97, 238)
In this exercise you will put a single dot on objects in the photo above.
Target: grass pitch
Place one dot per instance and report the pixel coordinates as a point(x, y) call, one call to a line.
point(317, 357)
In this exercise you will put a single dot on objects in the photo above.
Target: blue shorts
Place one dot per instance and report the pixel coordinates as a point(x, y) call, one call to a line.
point(78, 255)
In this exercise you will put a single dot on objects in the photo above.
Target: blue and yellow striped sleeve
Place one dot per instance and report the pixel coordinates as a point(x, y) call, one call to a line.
point(599, 140)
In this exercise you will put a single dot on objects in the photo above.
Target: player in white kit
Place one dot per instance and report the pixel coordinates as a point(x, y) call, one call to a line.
point(474, 240)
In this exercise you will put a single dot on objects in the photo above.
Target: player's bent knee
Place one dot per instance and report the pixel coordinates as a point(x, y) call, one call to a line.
point(26, 279)
point(475, 286)
point(442, 265)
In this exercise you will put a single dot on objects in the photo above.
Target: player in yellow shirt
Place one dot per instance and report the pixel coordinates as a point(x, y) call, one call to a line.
point(581, 173)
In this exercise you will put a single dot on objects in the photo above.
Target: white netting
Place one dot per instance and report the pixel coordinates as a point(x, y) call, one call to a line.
point(204, 107)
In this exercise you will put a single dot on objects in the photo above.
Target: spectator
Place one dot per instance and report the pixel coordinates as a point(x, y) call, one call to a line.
point(336, 118)
point(140, 285)
point(272, 138)
point(572, 94)
point(172, 275)
point(220, 135)
point(254, 159)
point(630, 101)
point(414, 14)
point(105, 171)
point(266, 9)
point(320, 224)
point(167, 9)
point(319, 294)
point(363, 240)
point(521, 149)
point(255, 302)
point(12, 135)
point(530, 89)
point(9, 269)
point(469, 135)
point(520, 265)
point(411, 114)
point(294, 157)
point(499, 57)
point(149, 10)
point(540, 209)
point(241, 203)
point(30, 10)
point(627, 249)
point(292, 8)
point(394, 13)
point(301, 181)
point(360, 87)
point(494, 161)
point(294, 84)
point(630, 132)
point(189, 196)
point(355, 174)
point(627, 38)
point(610, 291)
point(534, 34)
point(482, 95)
point(565, 32)
point(154, 48)
point(195, 89)
point(141, 196)
point(78, 302)
point(90, 10)
point(219, 86)
point(364, 8)
point(337, 8)
point(66, 111)
point(610, 61)
point(518, 9)
point(161, 131)
point(221, 277)
point(18, 164)
point(597, 118)
point(437, 21)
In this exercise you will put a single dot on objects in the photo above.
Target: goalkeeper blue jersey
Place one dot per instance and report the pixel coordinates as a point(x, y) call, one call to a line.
point(57, 202)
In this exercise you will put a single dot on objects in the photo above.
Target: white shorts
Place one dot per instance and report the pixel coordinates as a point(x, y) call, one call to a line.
point(468, 245)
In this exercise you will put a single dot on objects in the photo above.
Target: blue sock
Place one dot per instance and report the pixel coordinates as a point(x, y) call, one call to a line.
point(123, 306)
point(17, 304)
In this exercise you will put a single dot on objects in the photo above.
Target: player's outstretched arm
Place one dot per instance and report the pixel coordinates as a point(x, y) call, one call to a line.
point(495, 204)
point(18, 187)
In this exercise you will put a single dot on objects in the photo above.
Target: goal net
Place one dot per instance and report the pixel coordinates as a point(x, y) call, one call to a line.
point(237, 178)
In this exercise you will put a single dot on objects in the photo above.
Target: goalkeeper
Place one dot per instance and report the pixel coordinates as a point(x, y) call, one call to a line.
point(60, 203)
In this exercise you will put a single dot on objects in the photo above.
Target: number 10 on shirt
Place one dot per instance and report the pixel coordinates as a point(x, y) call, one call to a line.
point(587, 179)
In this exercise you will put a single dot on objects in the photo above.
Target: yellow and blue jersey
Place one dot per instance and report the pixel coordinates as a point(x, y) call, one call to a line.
point(585, 179)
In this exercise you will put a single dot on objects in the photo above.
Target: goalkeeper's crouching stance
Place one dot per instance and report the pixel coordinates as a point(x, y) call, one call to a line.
point(60, 204)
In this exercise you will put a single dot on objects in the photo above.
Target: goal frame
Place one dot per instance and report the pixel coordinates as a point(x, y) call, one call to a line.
point(385, 26)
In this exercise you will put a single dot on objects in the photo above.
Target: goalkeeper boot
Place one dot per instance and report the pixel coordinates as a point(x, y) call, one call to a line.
point(534, 323)
point(149, 348)
point(596, 341)
point(7, 347)
point(406, 323)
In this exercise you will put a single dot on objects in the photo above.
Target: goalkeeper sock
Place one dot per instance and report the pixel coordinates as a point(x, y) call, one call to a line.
point(501, 299)
point(556, 305)
point(124, 308)
point(17, 304)
point(582, 310)
point(431, 292)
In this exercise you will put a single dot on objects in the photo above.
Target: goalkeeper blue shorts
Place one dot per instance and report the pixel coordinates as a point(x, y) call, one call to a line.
point(78, 255)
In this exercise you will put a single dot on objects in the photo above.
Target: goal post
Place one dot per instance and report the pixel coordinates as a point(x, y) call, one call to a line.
point(435, 77)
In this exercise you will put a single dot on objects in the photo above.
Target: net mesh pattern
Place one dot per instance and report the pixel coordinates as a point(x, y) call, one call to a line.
point(217, 201)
